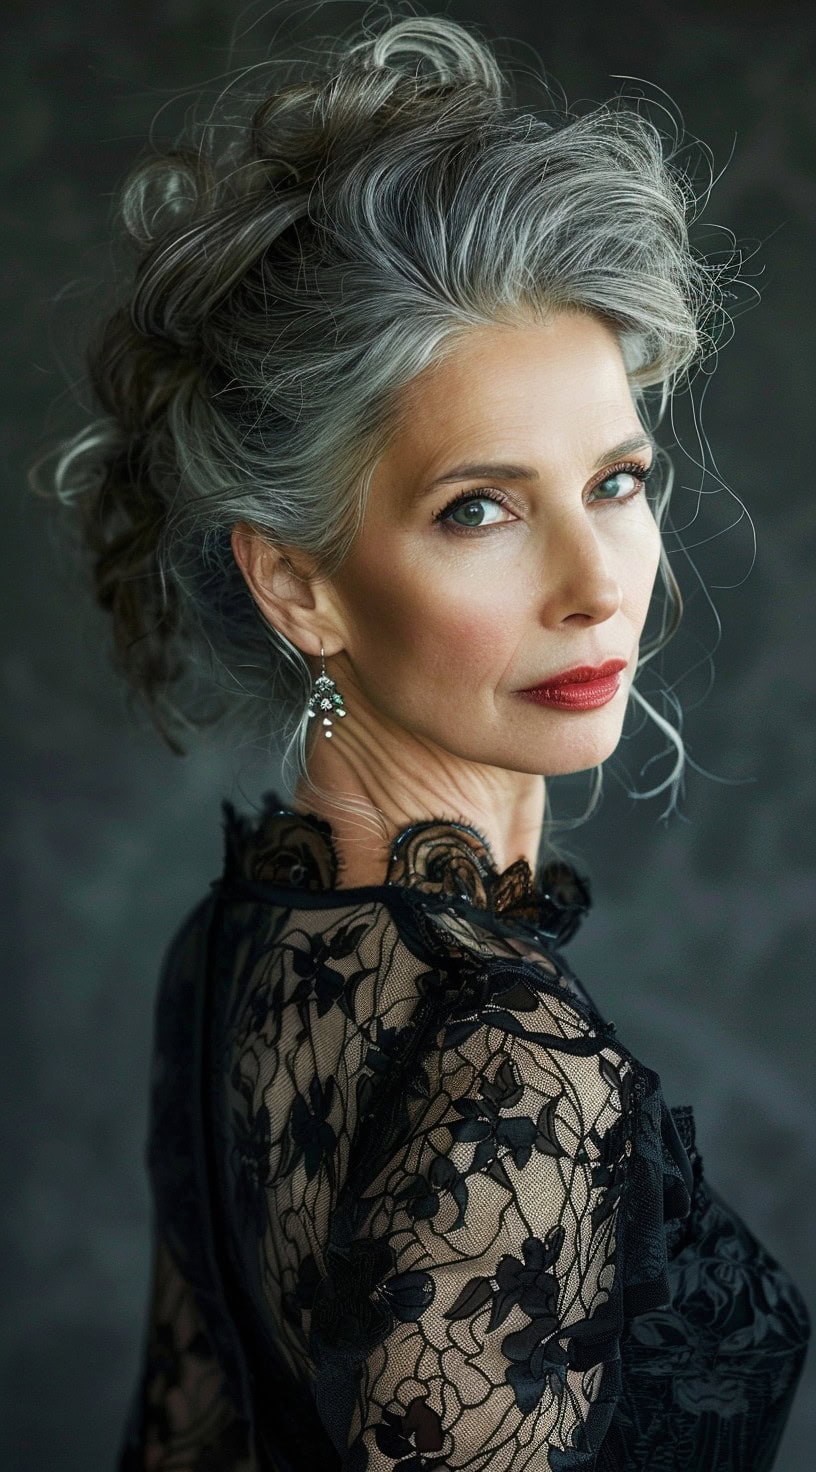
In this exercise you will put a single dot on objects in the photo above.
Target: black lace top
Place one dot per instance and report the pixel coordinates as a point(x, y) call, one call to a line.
point(416, 1206)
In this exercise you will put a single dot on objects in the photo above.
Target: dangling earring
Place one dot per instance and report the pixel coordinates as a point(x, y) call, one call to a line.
point(325, 697)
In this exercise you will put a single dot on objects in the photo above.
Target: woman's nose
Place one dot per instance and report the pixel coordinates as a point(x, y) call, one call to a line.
point(580, 579)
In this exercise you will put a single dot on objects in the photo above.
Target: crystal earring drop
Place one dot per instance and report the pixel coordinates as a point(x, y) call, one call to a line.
point(326, 699)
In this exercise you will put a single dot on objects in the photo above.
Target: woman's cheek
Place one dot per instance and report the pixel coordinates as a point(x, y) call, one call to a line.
point(638, 561)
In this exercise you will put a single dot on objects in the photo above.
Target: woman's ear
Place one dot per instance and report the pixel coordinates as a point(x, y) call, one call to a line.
point(281, 585)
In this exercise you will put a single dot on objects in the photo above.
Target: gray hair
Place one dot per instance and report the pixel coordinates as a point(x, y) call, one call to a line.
point(296, 265)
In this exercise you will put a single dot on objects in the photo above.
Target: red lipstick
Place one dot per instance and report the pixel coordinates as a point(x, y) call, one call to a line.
point(581, 688)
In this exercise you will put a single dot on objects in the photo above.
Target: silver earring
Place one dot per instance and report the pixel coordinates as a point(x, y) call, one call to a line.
point(325, 698)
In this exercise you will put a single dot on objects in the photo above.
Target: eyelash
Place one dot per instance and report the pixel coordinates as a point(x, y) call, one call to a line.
point(641, 472)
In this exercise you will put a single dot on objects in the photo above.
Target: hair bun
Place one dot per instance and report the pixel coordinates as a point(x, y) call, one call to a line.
point(394, 79)
point(385, 80)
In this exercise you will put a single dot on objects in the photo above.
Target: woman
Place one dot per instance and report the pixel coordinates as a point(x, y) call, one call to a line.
point(375, 438)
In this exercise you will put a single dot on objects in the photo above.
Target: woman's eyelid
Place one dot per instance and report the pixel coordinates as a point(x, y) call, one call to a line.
point(624, 467)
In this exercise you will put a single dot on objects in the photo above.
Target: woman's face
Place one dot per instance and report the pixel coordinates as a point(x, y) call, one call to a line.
point(449, 612)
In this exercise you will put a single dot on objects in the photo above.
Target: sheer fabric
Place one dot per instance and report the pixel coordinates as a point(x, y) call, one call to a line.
point(415, 1205)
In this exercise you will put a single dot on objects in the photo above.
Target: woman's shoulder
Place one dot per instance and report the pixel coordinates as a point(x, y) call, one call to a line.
point(353, 1026)
point(376, 1017)
point(390, 1026)
point(443, 919)
point(391, 957)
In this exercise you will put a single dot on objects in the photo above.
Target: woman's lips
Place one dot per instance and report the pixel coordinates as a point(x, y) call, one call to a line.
point(588, 690)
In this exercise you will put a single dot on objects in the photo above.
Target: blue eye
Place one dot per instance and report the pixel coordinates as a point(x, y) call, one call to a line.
point(640, 476)
point(470, 501)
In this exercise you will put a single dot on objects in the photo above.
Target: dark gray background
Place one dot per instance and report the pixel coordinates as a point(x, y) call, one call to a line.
point(700, 942)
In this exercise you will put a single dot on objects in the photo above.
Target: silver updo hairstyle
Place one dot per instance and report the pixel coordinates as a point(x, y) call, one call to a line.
point(295, 264)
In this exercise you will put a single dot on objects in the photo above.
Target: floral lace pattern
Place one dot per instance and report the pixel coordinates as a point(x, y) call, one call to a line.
point(416, 1206)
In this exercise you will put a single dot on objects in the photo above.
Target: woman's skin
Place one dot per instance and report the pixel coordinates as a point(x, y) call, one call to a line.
point(431, 629)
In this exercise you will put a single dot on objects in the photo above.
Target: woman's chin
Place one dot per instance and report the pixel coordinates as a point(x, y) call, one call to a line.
point(583, 743)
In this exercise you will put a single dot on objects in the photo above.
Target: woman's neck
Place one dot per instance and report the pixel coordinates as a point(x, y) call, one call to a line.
point(386, 795)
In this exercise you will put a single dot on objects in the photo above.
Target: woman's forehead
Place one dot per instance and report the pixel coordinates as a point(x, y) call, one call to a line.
point(550, 394)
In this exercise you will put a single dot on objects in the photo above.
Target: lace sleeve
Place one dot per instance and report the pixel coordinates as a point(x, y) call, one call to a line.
point(181, 1416)
point(475, 1280)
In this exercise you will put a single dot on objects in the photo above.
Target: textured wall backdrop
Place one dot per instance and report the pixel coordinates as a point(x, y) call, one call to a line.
point(701, 940)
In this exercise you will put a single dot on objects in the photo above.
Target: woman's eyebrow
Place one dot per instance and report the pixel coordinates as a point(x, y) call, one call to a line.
point(474, 471)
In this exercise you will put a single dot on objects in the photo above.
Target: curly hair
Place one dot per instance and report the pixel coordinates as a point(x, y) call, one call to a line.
point(296, 262)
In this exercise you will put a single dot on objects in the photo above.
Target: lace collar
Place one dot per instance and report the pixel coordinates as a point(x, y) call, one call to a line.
point(439, 856)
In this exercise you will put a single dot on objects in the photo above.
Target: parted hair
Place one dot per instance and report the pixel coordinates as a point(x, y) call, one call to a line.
point(293, 262)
